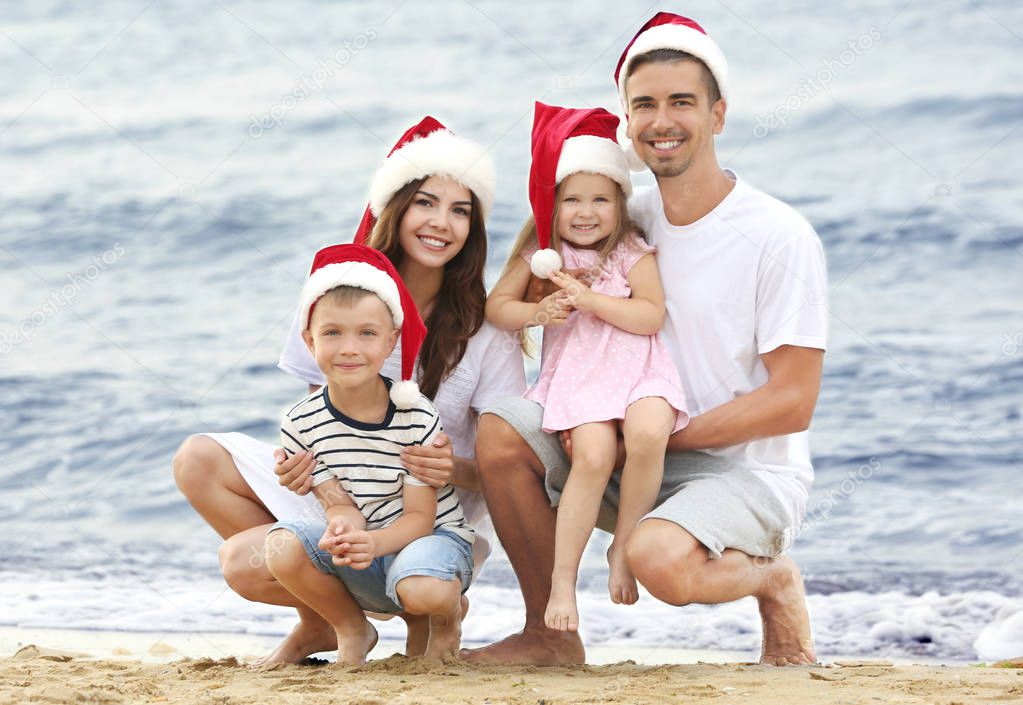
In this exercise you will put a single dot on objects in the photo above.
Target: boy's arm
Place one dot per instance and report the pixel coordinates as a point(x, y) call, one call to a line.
point(642, 313)
point(419, 511)
point(337, 505)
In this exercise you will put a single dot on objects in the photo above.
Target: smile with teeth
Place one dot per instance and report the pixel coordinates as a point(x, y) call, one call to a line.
point(666, 145)
point(585, 228)
point(432, 242)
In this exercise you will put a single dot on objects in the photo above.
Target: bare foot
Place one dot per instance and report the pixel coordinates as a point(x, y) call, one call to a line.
point(445, 635)
point(538, 646)
point(561, 614)
point(621, 583)
point(418, 637)
point(354, 645)
point(787, 638)
point(306, 639)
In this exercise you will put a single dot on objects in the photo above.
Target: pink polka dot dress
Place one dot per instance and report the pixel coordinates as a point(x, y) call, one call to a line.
point(591, 370)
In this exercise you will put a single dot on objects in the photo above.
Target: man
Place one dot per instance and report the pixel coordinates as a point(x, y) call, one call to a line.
point(745, 283)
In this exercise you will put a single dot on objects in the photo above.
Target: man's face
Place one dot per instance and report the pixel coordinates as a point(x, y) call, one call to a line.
point(671, 121)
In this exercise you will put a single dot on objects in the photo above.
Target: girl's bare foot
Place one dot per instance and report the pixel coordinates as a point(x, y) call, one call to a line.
point(307, 638)
point(353, 645)
point(561, 614)
point(621, 583)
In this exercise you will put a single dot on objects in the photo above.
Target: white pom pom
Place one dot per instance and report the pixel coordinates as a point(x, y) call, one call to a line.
point(544, 263)
point(405, 394)
point(633, 159)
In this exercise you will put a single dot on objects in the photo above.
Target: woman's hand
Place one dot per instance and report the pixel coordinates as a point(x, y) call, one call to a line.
point(576, 293)
point(296, 472)
point(432, 464)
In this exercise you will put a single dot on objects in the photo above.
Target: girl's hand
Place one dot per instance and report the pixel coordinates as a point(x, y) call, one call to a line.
point(296, 472)
point(577, 294)
point(552, 310)
point(432, 464)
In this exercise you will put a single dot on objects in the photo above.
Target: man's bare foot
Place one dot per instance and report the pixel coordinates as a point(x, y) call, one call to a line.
point(538, 647)
point(306, 639)
point(787, 638)
point(621, 583)
point(354, 645)
point(561, 614)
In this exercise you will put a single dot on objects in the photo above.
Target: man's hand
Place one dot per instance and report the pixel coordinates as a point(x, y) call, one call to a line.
point(432, 464)
point(296, 472)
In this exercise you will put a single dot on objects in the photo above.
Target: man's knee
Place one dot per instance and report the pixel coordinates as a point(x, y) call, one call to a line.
point(193, 463)
point(665, 559)
point(500, 447)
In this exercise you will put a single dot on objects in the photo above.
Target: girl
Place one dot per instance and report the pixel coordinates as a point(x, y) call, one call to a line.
point(428, 204)
point(603, 367)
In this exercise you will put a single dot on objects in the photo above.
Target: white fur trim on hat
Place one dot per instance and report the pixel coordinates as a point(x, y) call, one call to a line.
point(358, 274)
point(683, 38)
point(545, 262)
point(594, 155)
point(440, 153)
point(405, 394)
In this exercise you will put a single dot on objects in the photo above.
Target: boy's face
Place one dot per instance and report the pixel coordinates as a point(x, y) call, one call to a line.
point(351, 343)
point(671, 121)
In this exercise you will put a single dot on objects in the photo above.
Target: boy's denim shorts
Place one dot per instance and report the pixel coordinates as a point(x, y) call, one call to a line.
point(443, 555)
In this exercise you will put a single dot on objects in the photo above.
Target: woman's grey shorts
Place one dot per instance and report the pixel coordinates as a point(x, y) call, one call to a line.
point(722, 504)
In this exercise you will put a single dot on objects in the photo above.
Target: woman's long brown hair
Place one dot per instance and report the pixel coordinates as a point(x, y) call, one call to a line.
point(458, 311)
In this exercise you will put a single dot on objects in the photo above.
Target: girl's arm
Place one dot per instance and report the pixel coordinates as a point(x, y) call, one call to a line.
point(506, 309)
point(642, 313)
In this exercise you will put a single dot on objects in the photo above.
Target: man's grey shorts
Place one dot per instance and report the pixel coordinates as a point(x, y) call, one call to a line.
point(722, 504)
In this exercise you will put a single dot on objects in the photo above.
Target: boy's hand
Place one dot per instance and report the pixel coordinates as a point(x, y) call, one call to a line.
point(296, 472)
point(432, 464)
point(331, 541)
point(360, 549)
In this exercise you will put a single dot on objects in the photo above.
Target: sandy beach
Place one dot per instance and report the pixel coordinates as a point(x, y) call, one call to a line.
point(116, 667)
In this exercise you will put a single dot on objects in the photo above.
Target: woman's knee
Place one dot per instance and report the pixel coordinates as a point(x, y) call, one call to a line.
point(243, 565)
point(195, 463)
point(422, 594)
point(283, 553)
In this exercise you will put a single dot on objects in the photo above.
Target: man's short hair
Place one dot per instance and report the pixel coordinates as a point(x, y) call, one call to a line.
point(671, 56)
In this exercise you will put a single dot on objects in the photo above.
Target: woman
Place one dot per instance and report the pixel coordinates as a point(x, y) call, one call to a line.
point(428, 203)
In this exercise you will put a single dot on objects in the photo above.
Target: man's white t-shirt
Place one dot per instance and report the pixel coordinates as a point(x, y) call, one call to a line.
point(490, 370)
point(745, 279)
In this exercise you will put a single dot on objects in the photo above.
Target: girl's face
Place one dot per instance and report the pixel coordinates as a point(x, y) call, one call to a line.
point(436, 225)
point(588, 210)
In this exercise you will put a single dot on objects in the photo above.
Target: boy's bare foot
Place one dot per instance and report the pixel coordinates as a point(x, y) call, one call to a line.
point(306, 639)
point(561, 614)
point(787, 638)
point(536, 646)
point(355, 644)
point(621, 583)
point(445, 635)
point(418, 637)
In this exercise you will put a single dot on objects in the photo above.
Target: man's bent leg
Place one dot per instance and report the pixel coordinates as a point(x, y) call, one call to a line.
point(512, 477)
point(676, 568)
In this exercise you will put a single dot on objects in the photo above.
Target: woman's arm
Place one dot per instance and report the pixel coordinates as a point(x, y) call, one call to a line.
point(642, 313)
point(437, 465)
point(506, 309)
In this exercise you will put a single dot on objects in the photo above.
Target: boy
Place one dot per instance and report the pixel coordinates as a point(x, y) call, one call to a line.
point(390, 543)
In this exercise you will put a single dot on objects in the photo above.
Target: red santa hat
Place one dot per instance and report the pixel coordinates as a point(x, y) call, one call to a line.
point(567, 141)
point(369, 269)
point(666, 30)
point(427, 149)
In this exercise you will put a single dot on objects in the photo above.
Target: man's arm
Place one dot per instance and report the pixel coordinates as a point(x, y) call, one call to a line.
point(783, 405)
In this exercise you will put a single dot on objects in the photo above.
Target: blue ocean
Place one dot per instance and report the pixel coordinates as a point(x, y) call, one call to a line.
point(168, 170)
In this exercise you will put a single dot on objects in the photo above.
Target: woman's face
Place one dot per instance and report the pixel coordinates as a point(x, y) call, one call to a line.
point(436, 225)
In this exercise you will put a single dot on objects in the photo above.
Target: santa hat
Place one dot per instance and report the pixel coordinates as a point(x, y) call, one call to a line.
point(427, 149)
point(369, 269)
point(666, 30)
point(567, 141)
